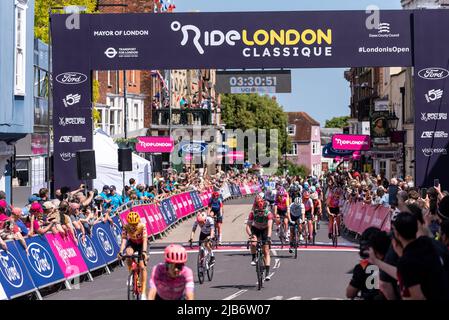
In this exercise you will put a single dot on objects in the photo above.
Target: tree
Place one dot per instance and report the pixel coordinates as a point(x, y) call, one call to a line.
point(252, 111)
point(294, 170)
point(337, 122)
point(42, 7)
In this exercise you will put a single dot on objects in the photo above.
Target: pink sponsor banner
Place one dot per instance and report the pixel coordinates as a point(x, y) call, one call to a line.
point(379, 217)
point(158, 217)
point(355, 209)
point(151, 220)
point(183, 204)
point(349, 217)
point(354, 142)
point(386, 225)
point(178, 206)
point(190, 206)
point(359, 215)
point(143, 218)
point(67, 255)
point(155, 144)
point(366, 218)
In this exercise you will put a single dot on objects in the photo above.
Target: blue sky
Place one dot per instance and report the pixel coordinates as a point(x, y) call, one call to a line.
point(307, 84)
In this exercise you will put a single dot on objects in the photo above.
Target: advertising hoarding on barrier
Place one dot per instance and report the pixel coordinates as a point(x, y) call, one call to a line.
point(190, 206)
point(155, 144)
point(197, 204)
point(166, 212)
point(91, 254)
point(157, 213)
point(379, 217)
point(152, 227)
point(14, 276)
point(366, 218)
point(67, 255)
point(174, 203)
point(354, 142)
point(104, 240)
point(41, 262)
point(2, 293)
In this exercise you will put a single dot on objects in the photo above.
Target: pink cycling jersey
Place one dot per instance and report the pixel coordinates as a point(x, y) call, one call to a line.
point(171, 288)
point(282, 204)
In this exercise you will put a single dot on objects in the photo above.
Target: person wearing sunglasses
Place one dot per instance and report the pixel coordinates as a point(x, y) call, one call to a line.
point(172, 280)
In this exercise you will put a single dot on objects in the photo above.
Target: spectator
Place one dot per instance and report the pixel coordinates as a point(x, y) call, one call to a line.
point(105, 195)
point(44, 194)
point(132, 183)
point(62, 217)
point(5, 204)
point(420, 273)
point(10, 231)
point(115, 200)
point(361, 273)
point(37, 225)
point(78, 220)
point(16, 216)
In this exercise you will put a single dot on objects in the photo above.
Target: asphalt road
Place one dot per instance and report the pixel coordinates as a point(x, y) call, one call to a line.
point(320, 272)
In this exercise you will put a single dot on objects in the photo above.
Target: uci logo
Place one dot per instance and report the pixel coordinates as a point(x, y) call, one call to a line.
point(105, 242)
point(88, 249)
point(40, 260)
point(10, 269)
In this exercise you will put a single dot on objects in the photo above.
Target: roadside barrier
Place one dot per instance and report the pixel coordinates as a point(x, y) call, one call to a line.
point(54, 259)
point(357, 217)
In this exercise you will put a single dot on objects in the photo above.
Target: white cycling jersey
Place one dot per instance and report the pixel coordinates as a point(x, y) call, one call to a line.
point(207, 226)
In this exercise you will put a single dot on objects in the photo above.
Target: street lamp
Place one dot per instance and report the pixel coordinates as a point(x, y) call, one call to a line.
point(393, 121)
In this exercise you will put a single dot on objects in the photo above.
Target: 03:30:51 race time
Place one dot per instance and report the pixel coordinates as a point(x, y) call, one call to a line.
point(252, 81)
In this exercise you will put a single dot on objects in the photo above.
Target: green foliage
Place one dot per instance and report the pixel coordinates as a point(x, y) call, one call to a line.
point(95, 95)
point(125, 143)
point(41, 10)
point(252, 111)
point(337, 122)
point(294, 170)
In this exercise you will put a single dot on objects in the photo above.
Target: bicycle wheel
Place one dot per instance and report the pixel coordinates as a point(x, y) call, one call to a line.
point(200, 266)
point(259, 269)
point(306, 234)
point(281, 235)
point(210, 268)
point(133, 290)
point(334, 235)
point(295, 241)
point(314, 232)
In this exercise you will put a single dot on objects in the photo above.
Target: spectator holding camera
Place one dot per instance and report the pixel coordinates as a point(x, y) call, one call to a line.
point(16, 216)
point(37, 225)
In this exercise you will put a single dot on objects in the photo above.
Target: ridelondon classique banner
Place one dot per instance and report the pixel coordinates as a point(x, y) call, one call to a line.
point(312, 39)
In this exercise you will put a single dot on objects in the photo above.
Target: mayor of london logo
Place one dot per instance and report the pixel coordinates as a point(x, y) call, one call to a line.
point(40, 260)
point(110, 53)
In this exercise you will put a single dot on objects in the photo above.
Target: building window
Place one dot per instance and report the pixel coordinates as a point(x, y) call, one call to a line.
point(294, 150)
point(291, 129)
point(315, 148)
point(20, 47)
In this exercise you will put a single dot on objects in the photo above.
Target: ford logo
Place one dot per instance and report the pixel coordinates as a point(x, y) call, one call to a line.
point(40, 260)
point(193, 148)
point(433, 73)
point(71, 78)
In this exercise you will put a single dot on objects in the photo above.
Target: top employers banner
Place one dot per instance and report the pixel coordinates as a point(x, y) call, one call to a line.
point(431, 79)
point(242, 39)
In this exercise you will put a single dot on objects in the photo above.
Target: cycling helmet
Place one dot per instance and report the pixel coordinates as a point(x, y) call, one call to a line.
point(215, 194)
point(261, 194)
point(175, 253)
point(314, 196)
point(259, 204)
point(297, 201)
point(312, 189)
point(306, 195)
point(133, 218)
point(201, 217)
point(281, 191)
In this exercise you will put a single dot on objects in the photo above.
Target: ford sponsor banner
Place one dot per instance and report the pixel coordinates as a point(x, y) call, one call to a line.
point(193, 147)
point(155, 144)
point(197, 203)
point(117, 230)
point(90, 252)
point(105, 241)
point(41, 262)
point(431, 79)
point(351, 142)
point(67, 255)
point(167, 211)
point(14, 276)
point(3, 295)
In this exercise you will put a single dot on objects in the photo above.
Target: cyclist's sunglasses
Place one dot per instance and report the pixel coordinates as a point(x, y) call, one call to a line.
point(178, 266)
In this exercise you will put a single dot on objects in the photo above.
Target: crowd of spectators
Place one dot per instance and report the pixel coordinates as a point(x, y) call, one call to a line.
point(79, 210)
point(413, 258)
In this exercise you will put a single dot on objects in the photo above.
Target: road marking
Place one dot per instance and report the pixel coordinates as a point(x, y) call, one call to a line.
point(243, 249)
point(274, 253)
point(276, 298)
point(295, 298)
point(326, 298)
point(235, 295)
point(277, 263)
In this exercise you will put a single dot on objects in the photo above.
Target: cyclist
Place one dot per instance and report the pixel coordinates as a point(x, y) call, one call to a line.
point(281, 207)
point(333, 208)
point(216, 206)
point(259, 227)
point(317, 210)
point(308, 208)
point(295, 215)
point(134, 239)
point(172, 280)
point(206, 224)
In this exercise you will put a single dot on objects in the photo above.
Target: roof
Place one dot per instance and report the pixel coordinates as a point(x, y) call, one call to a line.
point(303, 123)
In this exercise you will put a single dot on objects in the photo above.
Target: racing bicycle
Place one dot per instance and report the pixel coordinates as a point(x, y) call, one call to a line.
point(260, 265)
point(294, 227)
point(335, 231)
point(204, 266)
point(134, 284)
